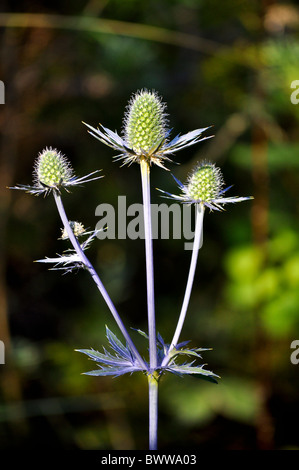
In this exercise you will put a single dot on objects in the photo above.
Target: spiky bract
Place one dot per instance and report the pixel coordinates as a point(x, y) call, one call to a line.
point(145, 132)
point(52, 172)
point(204, 186)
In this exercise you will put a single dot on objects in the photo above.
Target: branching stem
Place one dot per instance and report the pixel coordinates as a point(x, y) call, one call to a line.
point(145, 179)
point(153, 411)
point(95, 277)
point(152, 379)
point(196, 246)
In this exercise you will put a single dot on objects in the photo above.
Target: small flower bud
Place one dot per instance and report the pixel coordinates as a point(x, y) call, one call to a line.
point(52, 169)
point(205, 183)
point(76, 227)
point(145, 122)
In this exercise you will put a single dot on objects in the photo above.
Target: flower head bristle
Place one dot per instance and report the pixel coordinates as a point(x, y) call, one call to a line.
point(52, 169)
point(145, 122)
point(205, 183)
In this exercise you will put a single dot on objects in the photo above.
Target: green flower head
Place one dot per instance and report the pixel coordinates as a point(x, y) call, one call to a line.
point(52, 172)
point(205, 186)
point(205, 183)
point(52, 169)
point(145, 132)
point(145, 122)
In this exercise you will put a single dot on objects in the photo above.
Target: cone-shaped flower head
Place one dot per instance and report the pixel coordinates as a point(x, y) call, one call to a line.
point(52, 169)
point(145, 133)
point(145, 123)
point(205, 183)
point(205, 186)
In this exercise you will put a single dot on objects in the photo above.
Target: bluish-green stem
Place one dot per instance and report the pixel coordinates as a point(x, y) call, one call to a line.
point(145, 179)
point(153, 410)
point(197, 243)
point(95, 277)
point(152, 380)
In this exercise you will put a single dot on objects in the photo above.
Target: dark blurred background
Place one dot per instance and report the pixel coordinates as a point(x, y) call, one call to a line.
point(227, 64)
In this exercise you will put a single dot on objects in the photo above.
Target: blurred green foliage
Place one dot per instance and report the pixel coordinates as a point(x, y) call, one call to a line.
point(229, 65)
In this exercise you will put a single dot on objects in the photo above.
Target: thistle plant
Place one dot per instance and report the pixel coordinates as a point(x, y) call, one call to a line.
point(53, 172)
point(204, 189)
point(145, 140)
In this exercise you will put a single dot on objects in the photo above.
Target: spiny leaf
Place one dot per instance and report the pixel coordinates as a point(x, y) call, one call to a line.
point(189, 369)
point(114, 371)
point(122, 362)
point(118, 346)
point(187, 352)
point(106, 358)
point(142, 333)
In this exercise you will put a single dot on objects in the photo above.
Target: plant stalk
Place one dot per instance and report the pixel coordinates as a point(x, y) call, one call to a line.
point(95, 277)
point(196, 247)
point(145, 179)
point(153, 411)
